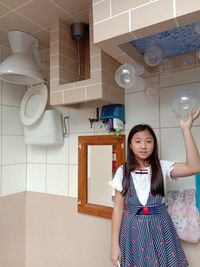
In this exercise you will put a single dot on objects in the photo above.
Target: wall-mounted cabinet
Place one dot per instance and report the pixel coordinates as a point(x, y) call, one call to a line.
point(97, 80)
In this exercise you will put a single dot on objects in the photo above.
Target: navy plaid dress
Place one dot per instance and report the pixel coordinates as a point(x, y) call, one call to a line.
point(149, 240)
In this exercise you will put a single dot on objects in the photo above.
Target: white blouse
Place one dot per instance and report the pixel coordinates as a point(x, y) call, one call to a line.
point(142, 181)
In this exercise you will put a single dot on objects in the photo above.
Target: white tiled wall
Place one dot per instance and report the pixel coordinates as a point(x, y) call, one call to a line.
point(13, 149)
point(54, 169)
point(36, 177)
point(13, 178)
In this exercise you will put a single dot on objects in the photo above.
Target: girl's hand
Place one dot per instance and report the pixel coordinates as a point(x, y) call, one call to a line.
point(187, 124)
point(115, 255)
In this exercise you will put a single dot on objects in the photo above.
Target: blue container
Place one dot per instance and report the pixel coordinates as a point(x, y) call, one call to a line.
point(113, 111)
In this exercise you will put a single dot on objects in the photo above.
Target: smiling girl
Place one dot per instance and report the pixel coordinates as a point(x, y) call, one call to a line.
point(143, 234)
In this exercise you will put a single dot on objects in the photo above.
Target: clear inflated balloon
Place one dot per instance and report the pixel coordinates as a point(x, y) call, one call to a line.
point(153, 56)
point(166, 66)
point(197, 27)
point(198, 53)
point(184, 101)
point(188, 61)
point(151, 89)
point(125, 76)
point(140, 69)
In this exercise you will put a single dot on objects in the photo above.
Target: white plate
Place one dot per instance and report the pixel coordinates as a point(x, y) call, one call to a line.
point(33, 104)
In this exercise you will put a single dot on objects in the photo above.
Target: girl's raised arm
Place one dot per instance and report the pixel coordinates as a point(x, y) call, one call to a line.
point(192, 164)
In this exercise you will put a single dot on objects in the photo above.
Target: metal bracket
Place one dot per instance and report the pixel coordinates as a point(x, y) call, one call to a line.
point(64, 125)
point(92, 120)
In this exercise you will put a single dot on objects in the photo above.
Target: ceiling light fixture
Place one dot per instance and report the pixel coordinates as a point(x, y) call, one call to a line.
point(21, 67)
point(78, 32)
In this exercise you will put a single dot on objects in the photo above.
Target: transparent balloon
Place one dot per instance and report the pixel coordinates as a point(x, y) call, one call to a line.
point(166, 66)
point(126, 76)
point(153, 56)
point(185, 101)
point(140, 69)
point(188, 61)
point(151, 89)
point(197, 27)
point(198, 53)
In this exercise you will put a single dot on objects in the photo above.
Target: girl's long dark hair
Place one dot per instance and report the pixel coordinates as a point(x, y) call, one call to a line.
point(157, 184)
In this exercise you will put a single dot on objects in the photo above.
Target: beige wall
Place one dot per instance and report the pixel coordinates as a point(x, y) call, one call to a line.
point(12, 231)
point(128, 14)
point(42, 230)
point(128, 20)
point(55, 235)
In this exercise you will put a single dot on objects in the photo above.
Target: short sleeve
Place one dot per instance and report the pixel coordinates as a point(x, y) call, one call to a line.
point(116, 183)
point(167, 167)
